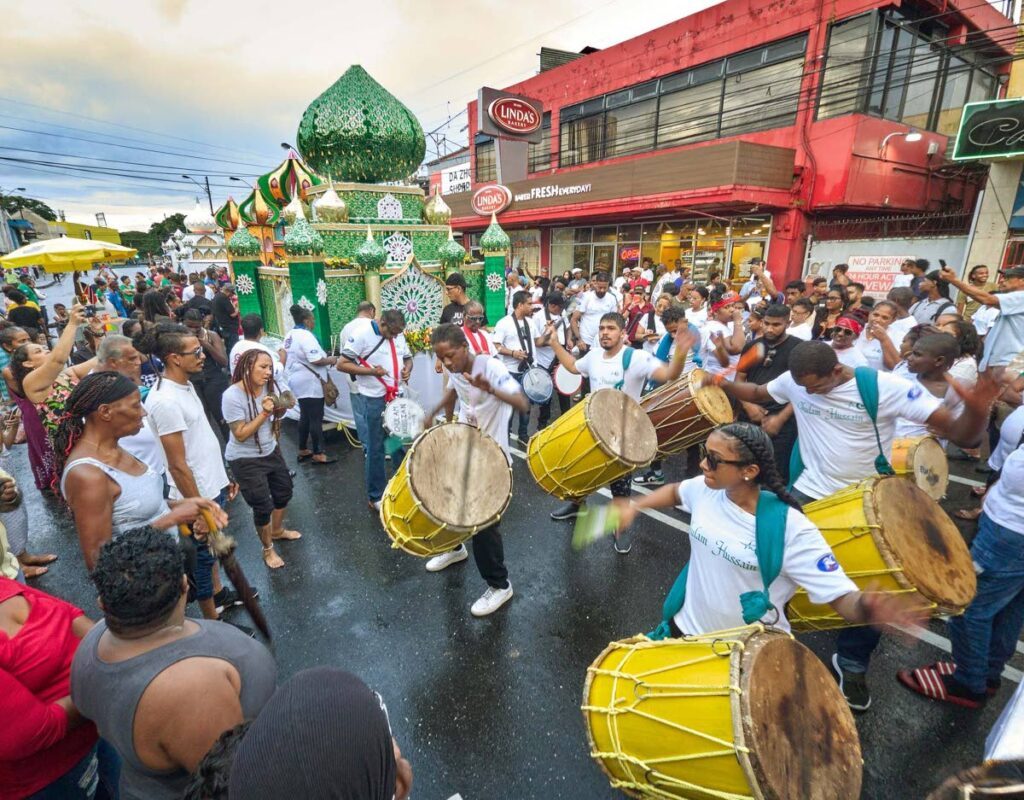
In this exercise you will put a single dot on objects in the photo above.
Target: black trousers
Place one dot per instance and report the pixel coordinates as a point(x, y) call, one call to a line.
point(489, 555)
point(782, 444)
point(264, 482)
point(544, 417)
point(210, 389)
point(311, 423)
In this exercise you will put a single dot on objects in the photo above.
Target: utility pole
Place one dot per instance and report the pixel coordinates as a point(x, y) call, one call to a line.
point(205, 186)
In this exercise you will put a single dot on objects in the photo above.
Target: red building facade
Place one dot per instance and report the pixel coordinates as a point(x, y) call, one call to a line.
point(739, 131)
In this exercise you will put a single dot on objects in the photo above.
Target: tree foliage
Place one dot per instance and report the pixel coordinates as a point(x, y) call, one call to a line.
point(146, 243)
point(13, 203)
point(165, 227)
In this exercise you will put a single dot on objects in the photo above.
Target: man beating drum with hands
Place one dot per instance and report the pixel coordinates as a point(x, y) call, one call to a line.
point(487, 395)
point(616, 365)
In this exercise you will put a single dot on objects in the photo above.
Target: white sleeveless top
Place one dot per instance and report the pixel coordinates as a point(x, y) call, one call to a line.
point(141, 500)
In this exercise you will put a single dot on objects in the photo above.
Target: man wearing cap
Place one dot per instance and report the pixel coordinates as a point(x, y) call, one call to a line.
point(1005, 340)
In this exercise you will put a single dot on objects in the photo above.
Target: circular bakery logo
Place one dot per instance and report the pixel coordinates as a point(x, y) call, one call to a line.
point(491, 200)
point(514, 115)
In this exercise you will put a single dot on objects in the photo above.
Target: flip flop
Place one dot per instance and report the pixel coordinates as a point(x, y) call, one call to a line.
point(303, 457)
point(929, 682)
point(968, 514)
point(328, 460)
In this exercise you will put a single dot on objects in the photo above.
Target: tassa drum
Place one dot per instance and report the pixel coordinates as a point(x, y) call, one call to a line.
point(537, 385)
point(741, 714)
point(454, 482)
point(566, 382)
point(922, 460)
point(685, 412)
point(888, 532)
point(404, 418)
point(595, 442)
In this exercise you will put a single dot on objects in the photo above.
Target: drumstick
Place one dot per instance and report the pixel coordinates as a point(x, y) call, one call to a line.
point(749, 360)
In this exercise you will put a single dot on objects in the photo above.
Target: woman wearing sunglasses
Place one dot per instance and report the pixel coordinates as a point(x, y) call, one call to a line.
point(738, 466)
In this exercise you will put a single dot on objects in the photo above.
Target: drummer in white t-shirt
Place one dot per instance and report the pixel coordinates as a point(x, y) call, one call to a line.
point(605, 367)
point(737, 466)
point(513, 340)
point(838, 448)
point(722, 336)
point(487, 394)
point(553, 312)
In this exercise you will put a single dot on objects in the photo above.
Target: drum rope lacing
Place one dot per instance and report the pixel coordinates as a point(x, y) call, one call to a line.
point(680, 690)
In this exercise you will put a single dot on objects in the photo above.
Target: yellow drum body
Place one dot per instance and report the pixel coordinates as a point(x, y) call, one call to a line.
point(887, 532)
point(685, 412)
point(922, 460)
point(454, 482)
point(597, 441)
point(747, 713)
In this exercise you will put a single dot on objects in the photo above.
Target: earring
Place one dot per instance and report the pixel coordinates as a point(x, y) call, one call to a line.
point(746, 478)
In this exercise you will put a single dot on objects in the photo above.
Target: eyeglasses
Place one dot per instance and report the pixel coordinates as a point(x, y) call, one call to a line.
point(197, 352)
point(476, 318)
point(715, 461)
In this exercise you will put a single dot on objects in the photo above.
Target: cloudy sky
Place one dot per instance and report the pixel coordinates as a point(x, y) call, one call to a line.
point(212, 88)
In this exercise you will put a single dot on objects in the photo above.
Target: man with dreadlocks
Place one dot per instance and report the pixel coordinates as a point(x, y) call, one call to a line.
point(161, 688)
point(723, 586)
point(108, 489)
point(253, 453)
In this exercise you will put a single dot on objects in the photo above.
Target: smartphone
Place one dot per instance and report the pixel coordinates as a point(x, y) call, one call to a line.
point(90, 312)
point(942, 263)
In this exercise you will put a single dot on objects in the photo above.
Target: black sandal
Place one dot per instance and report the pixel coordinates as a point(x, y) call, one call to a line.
point(303, 457)
point(328, 460)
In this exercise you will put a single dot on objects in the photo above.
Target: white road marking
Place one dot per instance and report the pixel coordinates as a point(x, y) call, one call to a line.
point(965, 481)
point(923, 634)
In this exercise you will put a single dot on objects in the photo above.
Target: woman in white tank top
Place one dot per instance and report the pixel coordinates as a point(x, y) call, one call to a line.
point(108, 490)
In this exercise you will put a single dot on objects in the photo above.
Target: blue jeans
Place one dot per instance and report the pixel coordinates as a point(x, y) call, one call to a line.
point(369, 414)
point(95, 777)
point(854, 647)
point(985, 636)
point(359, 415)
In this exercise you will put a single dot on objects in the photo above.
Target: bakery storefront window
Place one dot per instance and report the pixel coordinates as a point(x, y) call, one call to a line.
point(705, 245)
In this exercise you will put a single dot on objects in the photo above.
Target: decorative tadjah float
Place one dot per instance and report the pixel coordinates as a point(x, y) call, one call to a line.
point(337, 225)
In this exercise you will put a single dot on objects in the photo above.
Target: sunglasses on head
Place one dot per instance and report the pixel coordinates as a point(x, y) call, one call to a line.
point(715, 461)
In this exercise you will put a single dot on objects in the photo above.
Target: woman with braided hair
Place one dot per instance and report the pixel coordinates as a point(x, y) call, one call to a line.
point(108, 490)
point(738, 506)
point(253, 452)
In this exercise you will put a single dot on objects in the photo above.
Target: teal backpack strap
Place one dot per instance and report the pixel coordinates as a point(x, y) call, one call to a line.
point(796, 463)
point(867, 385)
point(627, 358)
point(672, 605)
point(770, 544)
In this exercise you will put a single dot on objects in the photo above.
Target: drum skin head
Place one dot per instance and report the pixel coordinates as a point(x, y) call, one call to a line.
point(802, 738)
point(711, 400)
point(621, 426)
point(459, 475)
point(922, 539)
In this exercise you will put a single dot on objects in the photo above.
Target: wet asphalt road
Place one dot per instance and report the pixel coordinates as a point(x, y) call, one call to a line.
point(489, 708)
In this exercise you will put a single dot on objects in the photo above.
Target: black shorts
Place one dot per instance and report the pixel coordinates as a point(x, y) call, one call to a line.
point(264, 482)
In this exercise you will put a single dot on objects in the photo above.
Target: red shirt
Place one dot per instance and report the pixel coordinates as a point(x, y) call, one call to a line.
point(36, 746)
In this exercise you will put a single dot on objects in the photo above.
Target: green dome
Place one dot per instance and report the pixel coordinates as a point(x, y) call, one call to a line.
point(302, 240)
point(243, 244)
point(451, 253)
point(494, 239)
point(360, 132)
point(371, 254)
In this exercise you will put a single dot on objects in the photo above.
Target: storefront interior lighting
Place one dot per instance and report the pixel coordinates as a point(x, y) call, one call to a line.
point(913, 135)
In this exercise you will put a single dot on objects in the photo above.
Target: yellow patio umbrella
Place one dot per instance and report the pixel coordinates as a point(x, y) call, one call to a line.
point(65, 254)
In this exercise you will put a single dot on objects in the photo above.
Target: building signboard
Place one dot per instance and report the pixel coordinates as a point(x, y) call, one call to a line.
point(509, 115)
point(990, 129)
point(875, 272)
point(456, 179)
point(491, 199)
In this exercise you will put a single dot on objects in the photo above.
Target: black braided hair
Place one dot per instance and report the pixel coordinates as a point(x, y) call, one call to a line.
point(138, 578)
point(243, 375)
point(755, 446)
point(212, 777)
point(93, 391)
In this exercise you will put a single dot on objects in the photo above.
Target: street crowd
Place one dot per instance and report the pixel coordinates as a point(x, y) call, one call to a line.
point(150, 403)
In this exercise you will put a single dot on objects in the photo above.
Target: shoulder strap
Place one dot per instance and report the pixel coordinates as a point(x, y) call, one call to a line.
point(867, 386)
point(627, 358)
point(770, 544)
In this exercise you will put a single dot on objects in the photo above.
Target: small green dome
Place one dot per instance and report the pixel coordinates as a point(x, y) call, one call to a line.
point(358, 131)
point(243, 244)
point(494, 239)
point(451, 253)
point(303, 240)
point(371, 254)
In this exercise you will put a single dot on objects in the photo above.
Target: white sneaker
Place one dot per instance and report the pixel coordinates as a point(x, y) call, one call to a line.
point(491, 601)
point(438, 563)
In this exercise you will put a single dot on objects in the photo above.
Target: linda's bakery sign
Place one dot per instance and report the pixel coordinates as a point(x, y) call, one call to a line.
point(510, 116)
point(491, 199)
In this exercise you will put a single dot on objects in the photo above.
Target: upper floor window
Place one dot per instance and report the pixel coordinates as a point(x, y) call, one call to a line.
point(540, 152)
point(887, 65)
point(486, 161)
